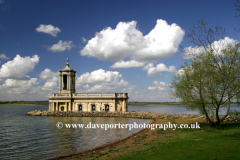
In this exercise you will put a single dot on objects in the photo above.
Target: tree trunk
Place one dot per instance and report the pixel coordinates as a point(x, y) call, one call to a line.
point(207, 117)
point(217, 116)
point(229, 104)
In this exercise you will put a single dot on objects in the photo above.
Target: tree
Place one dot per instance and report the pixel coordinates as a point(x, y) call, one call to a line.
point(210, 79)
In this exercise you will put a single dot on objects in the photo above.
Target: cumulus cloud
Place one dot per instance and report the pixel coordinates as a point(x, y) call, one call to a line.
point(51, 79)
point(47, 74)
point(18, 67)
point(14, 89)
point(61, 46)
point(13, 83)
point(158, 86)
point(217, 46)
point(49, 29)
point(126, 41)
point(3, 56)
point(86, 86)
point(127, 64)
point(105, 80)
point(49, 86)
point(154, 71)
point(108, 86)
point(99, 76)
point(129, 89)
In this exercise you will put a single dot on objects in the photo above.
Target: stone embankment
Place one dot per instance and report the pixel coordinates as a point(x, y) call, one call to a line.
point(139, 114)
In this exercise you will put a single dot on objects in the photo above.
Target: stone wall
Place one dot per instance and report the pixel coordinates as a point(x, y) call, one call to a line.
point(139, 114)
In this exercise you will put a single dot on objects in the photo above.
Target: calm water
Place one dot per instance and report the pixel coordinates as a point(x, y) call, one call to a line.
point(36, 137)
point(33, 137)
point(174, 109)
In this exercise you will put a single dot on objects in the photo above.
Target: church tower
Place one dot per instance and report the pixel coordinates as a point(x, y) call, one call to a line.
point(67, 79)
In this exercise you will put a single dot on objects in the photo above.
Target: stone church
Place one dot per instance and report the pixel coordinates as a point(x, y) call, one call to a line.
point(67, 100)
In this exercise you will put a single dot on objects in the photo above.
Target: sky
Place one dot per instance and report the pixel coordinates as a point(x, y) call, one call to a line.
point(129, 46)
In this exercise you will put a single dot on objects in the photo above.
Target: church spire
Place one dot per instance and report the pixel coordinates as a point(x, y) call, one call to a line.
point(67, 64)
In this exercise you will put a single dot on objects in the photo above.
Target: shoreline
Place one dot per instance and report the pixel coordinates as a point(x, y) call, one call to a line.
point(139, 114)
point(116, 145)
point(88, 152)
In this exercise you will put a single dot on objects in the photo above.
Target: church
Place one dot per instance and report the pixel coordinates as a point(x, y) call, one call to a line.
point(67, 100)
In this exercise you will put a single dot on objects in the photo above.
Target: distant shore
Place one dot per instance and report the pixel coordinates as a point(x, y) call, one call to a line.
point(45, 103)
point(20, 104)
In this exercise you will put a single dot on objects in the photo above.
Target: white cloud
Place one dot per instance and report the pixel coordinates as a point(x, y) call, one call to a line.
point(127, 41)
point(158, 86)
point(86, 86)
point(49, 75)
point(105, 87)
point(129, 89)
point(3, 56)
point(13, 89)
point(84, 40)
point(218, 46)
point(18, 67)
point(61, 46)
point(49, 29)
point(127, 64)
point(105, 80)
point(99, 76)
point(51, 78)
point(154, 71)
point(13, 83)
point(49, 86)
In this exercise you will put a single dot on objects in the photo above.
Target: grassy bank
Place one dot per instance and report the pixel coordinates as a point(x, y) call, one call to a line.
point(205, 143)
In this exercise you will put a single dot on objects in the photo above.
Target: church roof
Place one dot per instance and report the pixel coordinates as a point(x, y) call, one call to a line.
point(67, 68)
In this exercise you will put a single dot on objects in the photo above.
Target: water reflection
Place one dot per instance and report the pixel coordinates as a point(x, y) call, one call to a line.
point(69, 141)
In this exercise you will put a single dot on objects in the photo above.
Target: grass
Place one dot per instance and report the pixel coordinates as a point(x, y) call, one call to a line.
point(211, 143)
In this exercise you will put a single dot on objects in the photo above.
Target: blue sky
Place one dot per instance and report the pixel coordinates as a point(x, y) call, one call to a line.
point(114, 45)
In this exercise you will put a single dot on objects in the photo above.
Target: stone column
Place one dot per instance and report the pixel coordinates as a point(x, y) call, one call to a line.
point(70, 106)
point(123, 106)
point(86, 106)
point(60, 82)
point(49, 106)
point(68, 82)
point(74, 77)
point(65, 108)
point(57, 109)
point(114, 105)
point(52, 106)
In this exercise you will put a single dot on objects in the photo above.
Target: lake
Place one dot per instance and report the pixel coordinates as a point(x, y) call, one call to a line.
point(37, 137)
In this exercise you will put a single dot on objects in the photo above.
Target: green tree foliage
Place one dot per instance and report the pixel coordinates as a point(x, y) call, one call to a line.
point(210, 80)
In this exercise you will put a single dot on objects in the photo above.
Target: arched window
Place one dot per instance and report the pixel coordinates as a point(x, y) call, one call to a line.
point(107, 108)
point(80, 107)
point(64, 81)
point(93, 107)
point(62, 108)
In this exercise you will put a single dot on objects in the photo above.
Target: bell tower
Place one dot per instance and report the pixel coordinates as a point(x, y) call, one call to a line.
point(67, 79)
